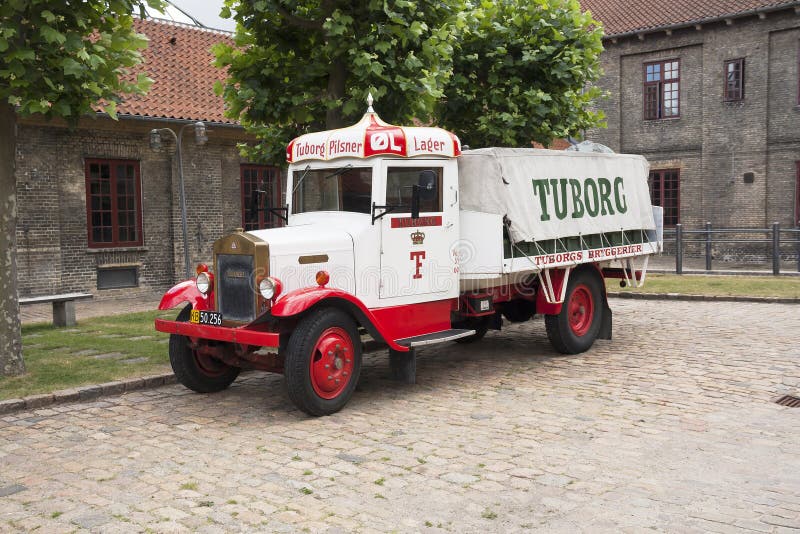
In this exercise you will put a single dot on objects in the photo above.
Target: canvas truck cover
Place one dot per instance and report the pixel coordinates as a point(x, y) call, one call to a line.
point(549, 194)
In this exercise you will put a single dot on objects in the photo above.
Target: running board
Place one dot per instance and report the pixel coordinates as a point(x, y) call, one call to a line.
point(436, 337)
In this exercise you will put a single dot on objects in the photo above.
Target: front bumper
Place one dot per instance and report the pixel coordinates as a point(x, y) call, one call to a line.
point(242, 335)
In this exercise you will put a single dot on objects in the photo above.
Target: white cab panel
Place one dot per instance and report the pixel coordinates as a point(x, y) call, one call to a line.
point(480, 249)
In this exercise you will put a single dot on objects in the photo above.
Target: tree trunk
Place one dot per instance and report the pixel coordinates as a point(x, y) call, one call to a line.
point(337, 77)
point(10, 336)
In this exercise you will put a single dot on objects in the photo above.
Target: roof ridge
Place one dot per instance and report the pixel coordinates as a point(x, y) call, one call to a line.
point(168, 22)
point(621, 18)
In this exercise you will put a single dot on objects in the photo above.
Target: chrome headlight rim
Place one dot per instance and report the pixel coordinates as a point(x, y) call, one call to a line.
point(266, 287)
point(203, 283)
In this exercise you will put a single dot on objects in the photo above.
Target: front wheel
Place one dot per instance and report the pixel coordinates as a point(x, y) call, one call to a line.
point(578, 325)
point(323, 361)
point(198, 372)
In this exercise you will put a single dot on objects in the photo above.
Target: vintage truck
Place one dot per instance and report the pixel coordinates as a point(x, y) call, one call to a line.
point(394, 234)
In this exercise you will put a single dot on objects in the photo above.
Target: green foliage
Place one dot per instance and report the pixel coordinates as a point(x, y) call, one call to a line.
point(496, 73)
point(60, 58)
point(300, 66)
point(522, 73)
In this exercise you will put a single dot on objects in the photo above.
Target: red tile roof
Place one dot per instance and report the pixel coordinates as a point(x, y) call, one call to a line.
point(625, 16)
point(178, 59)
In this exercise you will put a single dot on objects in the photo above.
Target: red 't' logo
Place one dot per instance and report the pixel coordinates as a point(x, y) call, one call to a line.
point(418, 256)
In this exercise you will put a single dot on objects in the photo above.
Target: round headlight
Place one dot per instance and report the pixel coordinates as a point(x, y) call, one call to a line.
point(267, 288)
point(203, 283)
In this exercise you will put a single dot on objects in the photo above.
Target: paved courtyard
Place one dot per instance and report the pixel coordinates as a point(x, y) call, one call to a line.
point(670, 426)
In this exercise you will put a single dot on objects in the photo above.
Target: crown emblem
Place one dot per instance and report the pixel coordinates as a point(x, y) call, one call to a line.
point(417, 238)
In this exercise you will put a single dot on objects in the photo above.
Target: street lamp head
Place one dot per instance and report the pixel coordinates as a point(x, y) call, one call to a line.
point(155, 139)
point(200, 136)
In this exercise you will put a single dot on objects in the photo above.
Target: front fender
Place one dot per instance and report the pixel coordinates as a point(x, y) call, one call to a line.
point(186, 291)
point(300, 300)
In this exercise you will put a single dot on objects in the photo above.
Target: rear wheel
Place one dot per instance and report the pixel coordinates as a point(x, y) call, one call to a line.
point(197, 372)
point(323, 361)
point(577, 326)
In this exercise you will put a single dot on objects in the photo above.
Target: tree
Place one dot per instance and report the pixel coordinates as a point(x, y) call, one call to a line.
point(58, 59)
point(523, 72)
point(306, 65)
point(497, 73)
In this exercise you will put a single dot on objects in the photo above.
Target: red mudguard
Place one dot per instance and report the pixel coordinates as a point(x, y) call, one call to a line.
point(390, 323)
point(186, 292)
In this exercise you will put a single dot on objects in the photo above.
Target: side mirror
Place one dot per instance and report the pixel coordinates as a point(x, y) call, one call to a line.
point(425, 189)
point(428, 182)
point(415, 194)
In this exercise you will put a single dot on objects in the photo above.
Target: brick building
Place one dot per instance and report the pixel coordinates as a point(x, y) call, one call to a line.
point(99, 209)
point(709, 92)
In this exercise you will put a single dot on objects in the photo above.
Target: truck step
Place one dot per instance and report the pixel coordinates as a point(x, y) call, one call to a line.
point(435, 337)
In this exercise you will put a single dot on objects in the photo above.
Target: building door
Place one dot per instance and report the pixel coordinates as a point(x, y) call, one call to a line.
point(261, 178)
point(665, 191)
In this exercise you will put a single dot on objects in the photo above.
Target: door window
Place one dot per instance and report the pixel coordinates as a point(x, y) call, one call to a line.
point(400, 182)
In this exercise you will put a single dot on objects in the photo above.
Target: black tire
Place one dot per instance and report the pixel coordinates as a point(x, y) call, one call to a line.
point(479, 324)
point(518, 310)
point(320, 378)
point(574, 329)
point(204, 375)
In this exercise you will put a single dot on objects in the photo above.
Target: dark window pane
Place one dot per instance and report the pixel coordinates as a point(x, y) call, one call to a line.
point(113, 213)
point(258, 178)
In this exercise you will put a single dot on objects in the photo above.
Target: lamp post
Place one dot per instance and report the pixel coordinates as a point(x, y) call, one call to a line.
point(200, 138)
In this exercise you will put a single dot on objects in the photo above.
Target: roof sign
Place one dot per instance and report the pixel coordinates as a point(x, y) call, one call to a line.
point(373, 137)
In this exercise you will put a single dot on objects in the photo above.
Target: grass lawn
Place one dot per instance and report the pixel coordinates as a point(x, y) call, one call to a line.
point(97, 350)
point(700, 284)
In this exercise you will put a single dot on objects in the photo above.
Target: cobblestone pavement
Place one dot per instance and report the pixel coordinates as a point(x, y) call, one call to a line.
point(670, 426)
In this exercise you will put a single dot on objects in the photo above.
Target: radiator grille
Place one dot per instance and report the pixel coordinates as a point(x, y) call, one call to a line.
point(236, 297)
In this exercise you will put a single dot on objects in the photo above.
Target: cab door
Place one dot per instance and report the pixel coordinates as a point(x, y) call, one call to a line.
point(417, 263)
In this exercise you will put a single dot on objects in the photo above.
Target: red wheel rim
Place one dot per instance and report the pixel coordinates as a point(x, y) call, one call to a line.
point(332, 363)
point(580, 310)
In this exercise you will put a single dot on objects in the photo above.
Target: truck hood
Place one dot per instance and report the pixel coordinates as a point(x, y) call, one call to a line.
point(305, 240)
point(297, 253)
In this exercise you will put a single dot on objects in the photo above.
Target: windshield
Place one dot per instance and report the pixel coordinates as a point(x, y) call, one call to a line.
point(344, 189)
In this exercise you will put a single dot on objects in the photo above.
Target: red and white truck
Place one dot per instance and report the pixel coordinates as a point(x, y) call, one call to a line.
point(394, 234)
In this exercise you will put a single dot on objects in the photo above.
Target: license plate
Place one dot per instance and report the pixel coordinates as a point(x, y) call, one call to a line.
point(211, 318)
